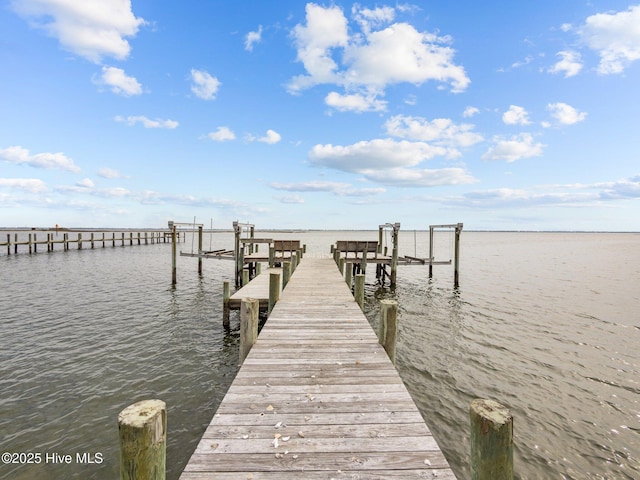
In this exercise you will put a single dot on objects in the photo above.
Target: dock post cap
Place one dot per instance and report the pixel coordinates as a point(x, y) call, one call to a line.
point(139, 413)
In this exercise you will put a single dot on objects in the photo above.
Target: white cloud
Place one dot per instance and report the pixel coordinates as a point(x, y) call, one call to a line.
point(85, 183)
point(19, 155)
point(110, 173)
point(147, 122)
point(356, 102)
point(570, 64)
point(516, 116)
point(373, 154)
point(374, 59)
point(470, 112)
point(205, 85)
point(440, 131)
point(515, 148)
point(271, 137)
point(389, 162)
point(291, 199)
point(410, 177)
point(372, 18)
point(119, 82)
point(326, 28)
point(32, 185)
point(337, 188)
point(565, 114)
point(221, 134)
point(92, 29)
point(615, 37)
point(252, 38)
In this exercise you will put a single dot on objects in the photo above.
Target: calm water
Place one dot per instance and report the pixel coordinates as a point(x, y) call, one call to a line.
point(546, 323)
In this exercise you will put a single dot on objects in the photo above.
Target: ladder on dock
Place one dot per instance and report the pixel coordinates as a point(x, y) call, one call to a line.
point(317, 397)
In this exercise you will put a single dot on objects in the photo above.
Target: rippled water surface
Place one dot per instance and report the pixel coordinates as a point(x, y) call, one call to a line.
point(545, 323)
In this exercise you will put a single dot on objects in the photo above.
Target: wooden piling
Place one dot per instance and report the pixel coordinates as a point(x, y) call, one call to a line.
point(456, 262)
point(249, 308)
point(174, 248)
point(199, 249)
point(226, 294)
point(286, 273)
point(348, 274)
point(142, 429)
point(491, 441)
point(394, 254)
point(274, 290)
point(359, 291)
point(245, 276)
point(388, 327)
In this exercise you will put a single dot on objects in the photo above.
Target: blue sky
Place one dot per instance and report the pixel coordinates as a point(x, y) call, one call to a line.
point(499, 114)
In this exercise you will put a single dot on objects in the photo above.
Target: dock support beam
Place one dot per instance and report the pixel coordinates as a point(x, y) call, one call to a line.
point(388, 328)
point(199, 249)
point(226, 294)
point(174, 249)
point(249, 308)
point(491, 441)
point(456, 262)
point(142, 428)
point(274, 290)
point(394, 254)
point(359, 290)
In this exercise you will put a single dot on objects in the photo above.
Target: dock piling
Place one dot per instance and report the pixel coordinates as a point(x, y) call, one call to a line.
point(142, 429)
point(359, 291)
point(249, 309)
point(274, 290)
point(491, 441)
point(388, 328)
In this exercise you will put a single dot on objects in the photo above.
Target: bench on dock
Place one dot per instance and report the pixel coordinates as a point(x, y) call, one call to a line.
point(357, 247)
point(283, 249)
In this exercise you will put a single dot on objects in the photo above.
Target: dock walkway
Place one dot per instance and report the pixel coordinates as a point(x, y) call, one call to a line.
point(317, 397)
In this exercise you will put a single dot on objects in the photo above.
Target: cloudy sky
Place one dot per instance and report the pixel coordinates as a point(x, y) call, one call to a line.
point(498, 114)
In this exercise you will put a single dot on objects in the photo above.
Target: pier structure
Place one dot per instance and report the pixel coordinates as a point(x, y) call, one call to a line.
point(317, 396)
point(83, 237)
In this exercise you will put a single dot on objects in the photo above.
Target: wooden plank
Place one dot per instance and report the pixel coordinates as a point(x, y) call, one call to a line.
point(317, 397)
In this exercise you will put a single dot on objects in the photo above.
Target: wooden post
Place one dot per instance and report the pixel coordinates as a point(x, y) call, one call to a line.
point(165, 240)
point(245, 276)
point(491, 441)
point(8, 244)
point(66, 241)
point(388, 328)
point(272, 255)
point(30, 244)
point(174, 248)
point(394, 254)
point(225, 304)
point(363, 260)
point(380, 228)
point(199, 249)
point(103, 242)
point(430, 251)
point(456, 263)
point(92, 241)
point(341, 266)
point(348, 273)
point(249, 308)
point(286, 273)
point(142, 428)
point(236, 251)
point(359, 293)
point(274, 290)
point(258, 268)
point(79, 240)
point(113, 239)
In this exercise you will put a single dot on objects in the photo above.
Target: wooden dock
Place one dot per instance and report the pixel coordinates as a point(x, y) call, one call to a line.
point(317, 397)
point(257, 288)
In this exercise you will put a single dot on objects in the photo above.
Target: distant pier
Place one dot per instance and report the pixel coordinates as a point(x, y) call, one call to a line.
point(30, 241)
